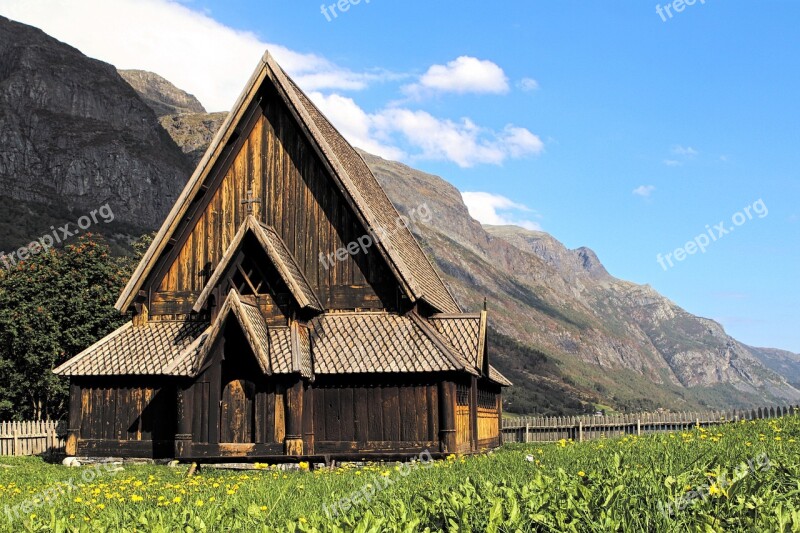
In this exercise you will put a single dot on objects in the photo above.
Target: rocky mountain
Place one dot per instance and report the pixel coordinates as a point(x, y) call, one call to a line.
point(606, 340)
point(75, 136)
point(193, 132)
point(572, 337)
point(161, 95)
point(784, 363)
point(180, 113)
point(586, 338)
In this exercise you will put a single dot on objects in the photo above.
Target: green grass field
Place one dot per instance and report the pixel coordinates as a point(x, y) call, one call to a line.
point(738, 477)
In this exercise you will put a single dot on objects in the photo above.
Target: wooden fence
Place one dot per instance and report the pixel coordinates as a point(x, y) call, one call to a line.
point(32, 438)
point(580, 428)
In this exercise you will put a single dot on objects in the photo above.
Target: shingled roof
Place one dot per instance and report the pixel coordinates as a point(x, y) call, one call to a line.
point(376, 342)
point(463, 333)
point(336, 343)
point(280, 256)
point(135, 350)
point(404, 255)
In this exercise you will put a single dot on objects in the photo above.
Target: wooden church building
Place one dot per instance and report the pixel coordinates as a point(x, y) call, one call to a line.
point(284, 311)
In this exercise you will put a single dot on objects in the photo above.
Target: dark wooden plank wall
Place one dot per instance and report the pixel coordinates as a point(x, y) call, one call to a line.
point(298, 199)
point(126, 418)
point(127, 412)
point(375, 418)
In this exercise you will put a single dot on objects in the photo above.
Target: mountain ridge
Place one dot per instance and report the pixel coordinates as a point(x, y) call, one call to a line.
point(568, 333)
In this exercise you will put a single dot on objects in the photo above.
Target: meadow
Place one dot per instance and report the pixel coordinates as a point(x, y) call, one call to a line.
point(742, 476)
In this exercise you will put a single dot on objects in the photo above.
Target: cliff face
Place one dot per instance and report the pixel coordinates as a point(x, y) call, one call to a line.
point(75, 136)
point(612, 341)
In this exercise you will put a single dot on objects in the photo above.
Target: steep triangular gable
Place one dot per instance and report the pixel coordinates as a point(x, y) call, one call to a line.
point(369, 202)
point(253, 325)
point(281, 258)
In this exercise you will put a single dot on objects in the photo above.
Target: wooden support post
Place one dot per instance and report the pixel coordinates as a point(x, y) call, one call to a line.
point(580, 430)
point(308, 419)
point(74, 423)
point(447, 414)
point(527, 429)
point(638, 427)
point(184, 412)
point(294, 419)
point(473, 413)
point(215, 393)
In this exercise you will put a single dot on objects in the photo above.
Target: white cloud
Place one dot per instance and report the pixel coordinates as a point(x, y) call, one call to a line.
point(462, 75)
point(357, 126)
point(213, 61)
point(528, 84)
point(189, 48)
point(497, 210)
point(672, 163)
point(462, 142)
point(428, 137)
point(644, 190)
point(686, 151)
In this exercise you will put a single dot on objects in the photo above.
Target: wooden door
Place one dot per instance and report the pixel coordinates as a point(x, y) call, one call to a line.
point(236, 418)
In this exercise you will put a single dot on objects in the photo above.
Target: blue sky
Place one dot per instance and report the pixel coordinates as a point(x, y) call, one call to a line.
point(598, 122)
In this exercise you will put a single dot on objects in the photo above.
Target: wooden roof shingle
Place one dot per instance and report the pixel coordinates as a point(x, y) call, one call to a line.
point(463, 333)
point(376, 342)
point(134, 350)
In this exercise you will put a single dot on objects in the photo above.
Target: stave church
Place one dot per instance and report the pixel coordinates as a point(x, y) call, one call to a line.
point(253, 339)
